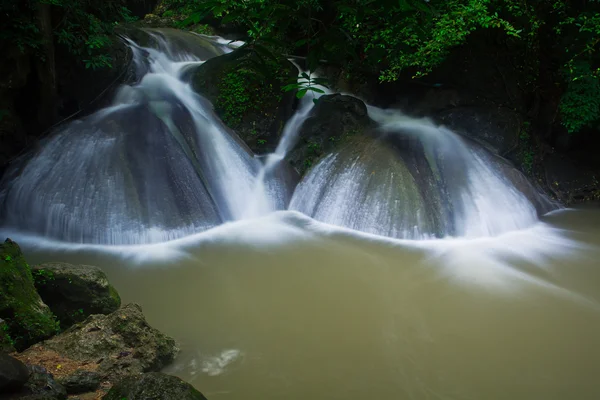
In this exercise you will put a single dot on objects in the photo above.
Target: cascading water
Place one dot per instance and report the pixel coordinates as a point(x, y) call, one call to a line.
point(267, 195)
point(158, 165)
point(432, 183)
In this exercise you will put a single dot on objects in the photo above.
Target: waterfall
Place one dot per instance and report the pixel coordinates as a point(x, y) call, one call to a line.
point(267, 194)
point(155, 165)
point(416, 180)
point(158, 164)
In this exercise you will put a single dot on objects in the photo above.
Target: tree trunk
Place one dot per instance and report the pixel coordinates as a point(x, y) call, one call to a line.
point(46, 69)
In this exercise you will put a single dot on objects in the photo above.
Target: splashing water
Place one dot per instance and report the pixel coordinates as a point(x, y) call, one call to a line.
point(158, 165)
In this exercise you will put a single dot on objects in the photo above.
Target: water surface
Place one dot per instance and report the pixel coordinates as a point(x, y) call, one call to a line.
point(285, 307)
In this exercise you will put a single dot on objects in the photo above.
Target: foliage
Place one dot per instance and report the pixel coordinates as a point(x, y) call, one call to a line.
point(392, 38)
point(235, 99)
point(580, 104)
point(82, 27)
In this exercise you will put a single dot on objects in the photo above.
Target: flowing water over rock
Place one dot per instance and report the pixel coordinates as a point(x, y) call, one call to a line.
point(409, 263)
point(158, 165)
point(415, 180)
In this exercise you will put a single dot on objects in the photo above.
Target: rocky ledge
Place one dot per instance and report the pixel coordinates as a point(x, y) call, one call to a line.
point(98, 351)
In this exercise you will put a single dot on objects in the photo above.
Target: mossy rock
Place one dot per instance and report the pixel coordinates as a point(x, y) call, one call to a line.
point(74, 292)
point(6, 342)
point(28, 319)
point(155, 386)
point(332, 121)
point(121, 343)
point(246, 90)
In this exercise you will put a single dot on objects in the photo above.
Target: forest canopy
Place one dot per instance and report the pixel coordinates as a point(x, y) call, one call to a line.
point(391, 39)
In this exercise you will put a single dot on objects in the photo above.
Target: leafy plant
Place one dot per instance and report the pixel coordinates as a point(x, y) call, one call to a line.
point(82, 27)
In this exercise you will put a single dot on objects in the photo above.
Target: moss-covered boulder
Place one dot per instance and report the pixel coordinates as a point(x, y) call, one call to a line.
point(6, 342)
point(74, 292)
point(121, 343)
point(332, 120)
point(155, 386)
point(28, 320)
point(246, 90)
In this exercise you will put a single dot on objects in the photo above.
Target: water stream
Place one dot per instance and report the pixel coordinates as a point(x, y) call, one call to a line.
point(410, 263)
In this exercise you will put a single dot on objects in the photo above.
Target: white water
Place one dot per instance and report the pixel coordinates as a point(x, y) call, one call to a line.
point(159, 165)
point(266, 196)
point(284, 306)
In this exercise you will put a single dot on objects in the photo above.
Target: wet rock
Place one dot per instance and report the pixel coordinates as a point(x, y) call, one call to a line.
point(81, 382)
point(246, 91)
point(121, 343)
point(73, 292)
point(570, 182)
point(155, 386)
point(497, 128)
point(13, 373)
point(28, 320)
point(334, 119)
point(40, 386)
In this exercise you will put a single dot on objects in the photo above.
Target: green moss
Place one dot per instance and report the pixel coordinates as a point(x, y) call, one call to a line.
point(247, 92)
point(114, 295)
point(7, 344)
point(244, 90)
point(28, 319)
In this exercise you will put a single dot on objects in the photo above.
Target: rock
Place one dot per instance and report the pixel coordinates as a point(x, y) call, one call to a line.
point(333, 119)
point(497, 128)
point(121, 343)
point(27, 318)
point(81, 382)
point(40, 386)
point(247, 93)
point(6, 343)
point(13, 373)
point(73, 292)
point(570, 182)
point(155, 386)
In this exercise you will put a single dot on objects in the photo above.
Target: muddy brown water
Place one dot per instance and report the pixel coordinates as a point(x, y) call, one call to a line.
point(285, 308)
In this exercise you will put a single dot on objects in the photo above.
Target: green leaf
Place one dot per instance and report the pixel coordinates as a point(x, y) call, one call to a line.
point(301, 93)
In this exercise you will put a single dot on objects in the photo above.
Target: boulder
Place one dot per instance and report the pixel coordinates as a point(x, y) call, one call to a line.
point(247, 92)
point(28, 320)
point(332, 120)
point(155, 386)
point(13, 374)
point(497, 128)
point(6, 343)
point(73, 292)
point(40, 386)
point(81, 382)
point(571, 182)
point(121, 343)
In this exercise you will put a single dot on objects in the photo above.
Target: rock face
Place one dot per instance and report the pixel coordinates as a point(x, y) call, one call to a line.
point(121, 343)
point(13, 374)
point(40, 386)
point(569, 182)
point(155, 386)
point(28, 319)
point(247, 95)
point(334, 119)
point(81, 382)
point(73, 292)
point(498, 129)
